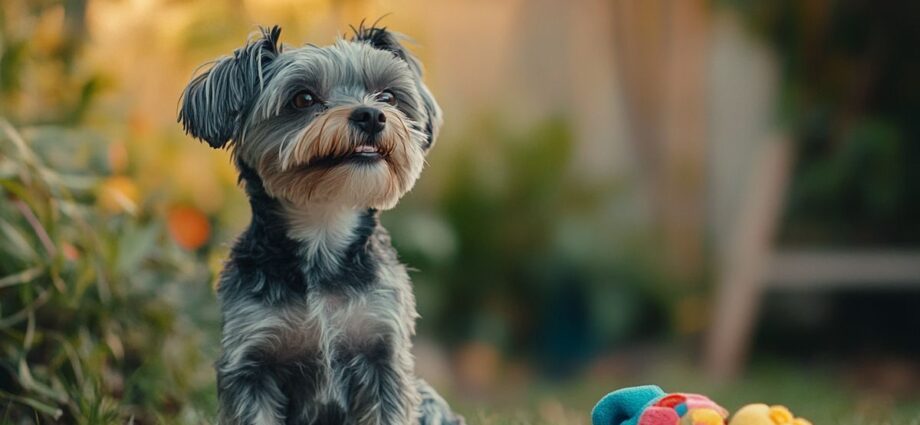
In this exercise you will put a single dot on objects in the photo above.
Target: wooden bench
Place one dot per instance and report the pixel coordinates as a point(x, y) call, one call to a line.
point(752, 265)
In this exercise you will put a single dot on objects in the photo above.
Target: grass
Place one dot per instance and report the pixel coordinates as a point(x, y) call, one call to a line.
point(820, 397)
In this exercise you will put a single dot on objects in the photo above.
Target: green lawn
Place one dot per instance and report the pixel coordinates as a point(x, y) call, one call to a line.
point(816, 396)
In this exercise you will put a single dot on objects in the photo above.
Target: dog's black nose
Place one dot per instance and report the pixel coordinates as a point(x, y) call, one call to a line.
point(371, 120)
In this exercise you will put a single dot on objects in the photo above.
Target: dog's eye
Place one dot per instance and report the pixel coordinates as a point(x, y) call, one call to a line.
point(387, 97)
point(304, 99)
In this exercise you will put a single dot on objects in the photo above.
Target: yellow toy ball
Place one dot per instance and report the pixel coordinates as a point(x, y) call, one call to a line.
point(761, 414)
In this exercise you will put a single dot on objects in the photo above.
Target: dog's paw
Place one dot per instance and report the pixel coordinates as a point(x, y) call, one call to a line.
point(434, 410)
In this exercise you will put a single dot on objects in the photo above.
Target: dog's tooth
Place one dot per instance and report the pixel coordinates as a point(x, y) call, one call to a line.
point(365, 149)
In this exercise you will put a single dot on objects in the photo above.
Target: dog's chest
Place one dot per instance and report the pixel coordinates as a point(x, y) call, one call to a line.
point(326, 324)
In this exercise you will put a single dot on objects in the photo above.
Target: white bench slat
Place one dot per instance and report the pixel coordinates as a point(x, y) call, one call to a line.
point(868, 268)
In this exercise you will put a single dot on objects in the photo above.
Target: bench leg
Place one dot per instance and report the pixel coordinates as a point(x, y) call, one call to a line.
point(746, 259)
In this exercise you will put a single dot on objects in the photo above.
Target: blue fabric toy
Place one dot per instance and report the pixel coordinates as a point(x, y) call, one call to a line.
point(623, 406)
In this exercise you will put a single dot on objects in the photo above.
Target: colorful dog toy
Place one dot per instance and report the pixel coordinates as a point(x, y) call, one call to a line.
point(649, 405)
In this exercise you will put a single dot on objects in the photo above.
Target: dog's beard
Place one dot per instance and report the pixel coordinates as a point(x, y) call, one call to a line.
point(320, 164)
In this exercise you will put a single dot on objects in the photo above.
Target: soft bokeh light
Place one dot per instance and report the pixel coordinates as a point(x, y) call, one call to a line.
point(715, 196)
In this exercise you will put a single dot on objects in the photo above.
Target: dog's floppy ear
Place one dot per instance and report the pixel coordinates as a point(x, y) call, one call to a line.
point(383, 39)
point(214, 103)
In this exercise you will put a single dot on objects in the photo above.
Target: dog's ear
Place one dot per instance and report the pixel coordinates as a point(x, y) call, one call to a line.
point(214, 103)
point(383, 39)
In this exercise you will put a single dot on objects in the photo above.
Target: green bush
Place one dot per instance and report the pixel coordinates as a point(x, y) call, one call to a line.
point(102, 318)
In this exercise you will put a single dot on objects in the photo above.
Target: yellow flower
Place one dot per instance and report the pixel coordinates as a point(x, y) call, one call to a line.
point(118, 194)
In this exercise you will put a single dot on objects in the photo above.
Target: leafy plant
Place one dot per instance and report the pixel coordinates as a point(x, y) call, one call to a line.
point(95, 306)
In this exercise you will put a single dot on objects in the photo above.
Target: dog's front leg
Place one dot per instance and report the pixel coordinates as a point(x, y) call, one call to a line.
point(249, 393)
point(381, 390)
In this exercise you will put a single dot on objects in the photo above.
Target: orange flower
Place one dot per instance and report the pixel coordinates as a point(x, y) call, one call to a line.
point(188, 227)
point(71, 253)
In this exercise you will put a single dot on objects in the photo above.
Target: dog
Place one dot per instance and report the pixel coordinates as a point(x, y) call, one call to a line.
point(317, 312)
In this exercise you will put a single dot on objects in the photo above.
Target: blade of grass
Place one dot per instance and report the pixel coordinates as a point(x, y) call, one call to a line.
point(37, 227)
point(21, 315)
point(49, 410)
point(30, 383)
point(22, 277)
point(22, 249)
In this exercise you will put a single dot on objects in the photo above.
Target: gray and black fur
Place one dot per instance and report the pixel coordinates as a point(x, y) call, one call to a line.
point(318, 313)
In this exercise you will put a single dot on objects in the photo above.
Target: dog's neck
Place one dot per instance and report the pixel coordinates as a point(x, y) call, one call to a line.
point(324, 232)
point(324, 238)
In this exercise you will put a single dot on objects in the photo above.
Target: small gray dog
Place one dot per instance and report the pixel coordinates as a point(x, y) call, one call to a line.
point(318, 313)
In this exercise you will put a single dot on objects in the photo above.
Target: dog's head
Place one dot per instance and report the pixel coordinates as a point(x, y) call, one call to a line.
point(348, 123)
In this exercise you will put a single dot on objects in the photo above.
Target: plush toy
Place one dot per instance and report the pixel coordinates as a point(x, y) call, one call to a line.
point(649, 405)
point(761, 414)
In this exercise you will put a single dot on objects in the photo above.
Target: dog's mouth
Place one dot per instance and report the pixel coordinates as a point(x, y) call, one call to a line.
point(364, 153)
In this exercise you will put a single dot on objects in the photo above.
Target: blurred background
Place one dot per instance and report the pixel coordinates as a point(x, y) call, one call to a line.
point(714, 196)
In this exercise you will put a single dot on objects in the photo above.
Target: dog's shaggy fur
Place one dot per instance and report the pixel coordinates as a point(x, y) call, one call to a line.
point(318, 313)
